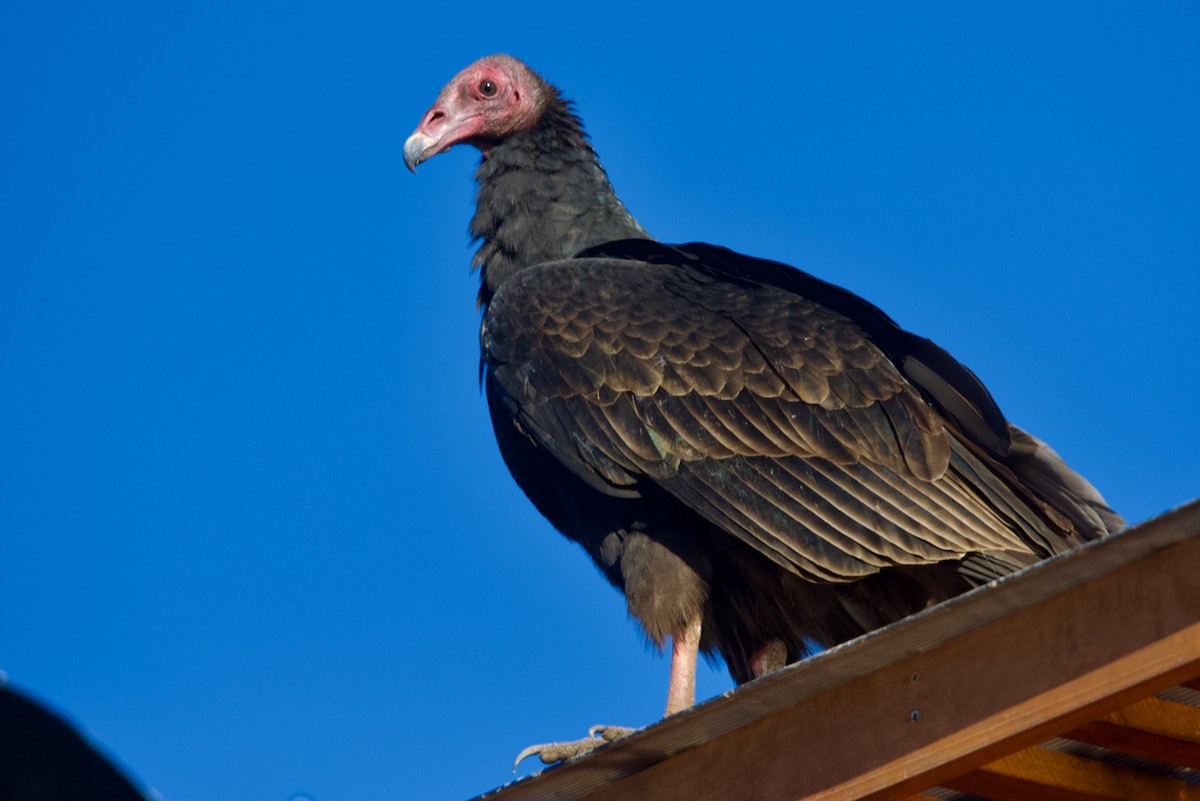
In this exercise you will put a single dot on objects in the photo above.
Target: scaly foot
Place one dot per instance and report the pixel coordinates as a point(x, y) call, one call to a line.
point(551, 753)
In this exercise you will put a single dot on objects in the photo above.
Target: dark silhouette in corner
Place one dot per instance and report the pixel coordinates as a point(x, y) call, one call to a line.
point(43, 758)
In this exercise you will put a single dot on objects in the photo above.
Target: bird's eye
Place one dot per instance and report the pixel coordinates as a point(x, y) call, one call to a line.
point(487, 88)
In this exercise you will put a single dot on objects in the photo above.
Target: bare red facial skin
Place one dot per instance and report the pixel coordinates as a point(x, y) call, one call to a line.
point(491, 99)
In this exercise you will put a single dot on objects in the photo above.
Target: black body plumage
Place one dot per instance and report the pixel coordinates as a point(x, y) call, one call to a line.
point(732, 438)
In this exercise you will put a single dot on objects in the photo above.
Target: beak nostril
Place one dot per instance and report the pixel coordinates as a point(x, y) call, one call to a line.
point(434, 116)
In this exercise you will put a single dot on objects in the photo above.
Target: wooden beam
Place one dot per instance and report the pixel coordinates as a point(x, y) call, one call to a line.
point(1151, 728)
point(1038, 774)
point(931, 697)
point(878, 738)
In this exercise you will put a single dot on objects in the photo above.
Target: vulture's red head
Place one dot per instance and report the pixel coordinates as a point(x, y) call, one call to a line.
point(489, 100)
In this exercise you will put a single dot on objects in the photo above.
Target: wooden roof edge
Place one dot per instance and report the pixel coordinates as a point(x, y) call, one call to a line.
point(919, 662)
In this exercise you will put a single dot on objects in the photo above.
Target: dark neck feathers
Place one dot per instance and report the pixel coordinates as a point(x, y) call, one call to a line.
point(543, 196)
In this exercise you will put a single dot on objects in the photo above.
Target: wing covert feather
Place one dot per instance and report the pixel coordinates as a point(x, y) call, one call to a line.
point(772, 416)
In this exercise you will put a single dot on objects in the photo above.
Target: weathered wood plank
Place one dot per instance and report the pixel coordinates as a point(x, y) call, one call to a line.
point(1038, 774)
point(934, 696)
point(862, 741)
point(1150, 728)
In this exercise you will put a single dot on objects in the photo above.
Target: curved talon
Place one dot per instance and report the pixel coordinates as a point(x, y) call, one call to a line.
point(610, 733)
point(527, 752)
point(552, 753)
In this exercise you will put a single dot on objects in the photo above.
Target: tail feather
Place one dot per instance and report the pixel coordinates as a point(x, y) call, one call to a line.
point(1041, 469)
point(1074, 508)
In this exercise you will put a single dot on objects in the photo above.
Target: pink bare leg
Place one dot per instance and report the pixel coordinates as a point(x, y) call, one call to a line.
point(768, 659)
point(681, 694)
point(685, 646)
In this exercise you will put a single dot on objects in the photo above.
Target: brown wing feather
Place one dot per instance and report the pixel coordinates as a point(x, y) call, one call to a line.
point(772, 416)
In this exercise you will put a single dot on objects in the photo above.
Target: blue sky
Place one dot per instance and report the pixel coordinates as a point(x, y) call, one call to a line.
point(257, 535)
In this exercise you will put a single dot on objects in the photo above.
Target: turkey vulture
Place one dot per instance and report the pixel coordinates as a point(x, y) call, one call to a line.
point(761, 461)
